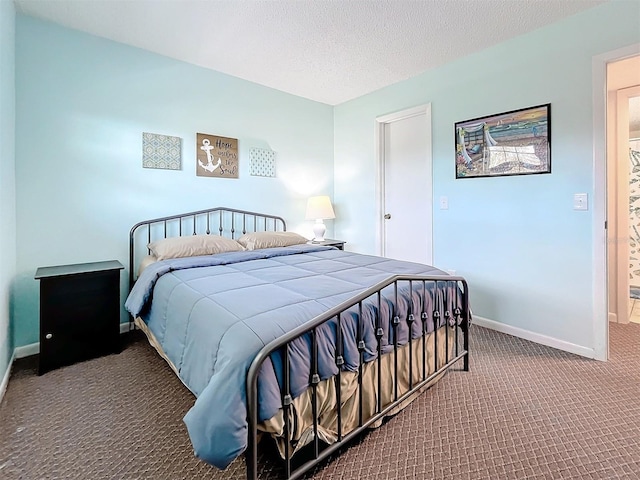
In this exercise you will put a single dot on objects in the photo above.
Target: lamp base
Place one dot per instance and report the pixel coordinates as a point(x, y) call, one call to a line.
point(318, 231)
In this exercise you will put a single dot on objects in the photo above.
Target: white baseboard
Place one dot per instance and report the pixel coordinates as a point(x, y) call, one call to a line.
point(27, 350)
point(34, 348)
point(534, 337)
point(5, 379)
point(613, 317)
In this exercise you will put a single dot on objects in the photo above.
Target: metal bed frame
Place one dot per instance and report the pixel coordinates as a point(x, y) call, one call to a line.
point(456, 322)
point(198, 222)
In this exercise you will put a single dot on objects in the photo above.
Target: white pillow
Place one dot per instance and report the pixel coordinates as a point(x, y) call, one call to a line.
point(191, 246)
point(256, 240)
point(146, 261)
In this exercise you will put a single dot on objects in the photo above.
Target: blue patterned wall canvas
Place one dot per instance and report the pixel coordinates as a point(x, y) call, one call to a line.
point(263, 162)
point(161, 151)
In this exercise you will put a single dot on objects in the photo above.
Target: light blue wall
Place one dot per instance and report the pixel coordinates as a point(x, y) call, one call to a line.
point(82, 104)
point(7, 179)
point(526, 254)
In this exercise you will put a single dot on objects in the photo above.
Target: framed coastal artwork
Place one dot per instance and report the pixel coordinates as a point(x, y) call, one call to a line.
point(216, 156)
point(517, 142)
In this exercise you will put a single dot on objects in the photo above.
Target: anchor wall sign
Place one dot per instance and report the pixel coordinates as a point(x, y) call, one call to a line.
point(216, 156)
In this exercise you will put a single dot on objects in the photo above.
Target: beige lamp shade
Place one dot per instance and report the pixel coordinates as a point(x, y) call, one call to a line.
point(318, 209)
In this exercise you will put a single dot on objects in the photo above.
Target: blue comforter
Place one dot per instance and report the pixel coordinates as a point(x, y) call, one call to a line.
point(213, 314)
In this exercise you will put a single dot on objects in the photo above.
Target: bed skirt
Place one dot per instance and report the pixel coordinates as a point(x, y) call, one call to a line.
point(301, 417)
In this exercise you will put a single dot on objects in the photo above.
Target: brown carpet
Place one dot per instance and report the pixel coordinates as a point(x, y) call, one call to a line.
point(524, 411)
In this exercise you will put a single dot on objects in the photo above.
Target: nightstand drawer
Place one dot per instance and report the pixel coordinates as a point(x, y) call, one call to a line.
point(87, 293)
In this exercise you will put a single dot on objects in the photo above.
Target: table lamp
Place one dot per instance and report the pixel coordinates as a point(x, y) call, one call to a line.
point(318, 209)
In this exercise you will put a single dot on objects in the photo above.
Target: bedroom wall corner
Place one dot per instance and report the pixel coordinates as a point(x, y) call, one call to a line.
point(7, 186)
point(82, 104)
point(525, 252)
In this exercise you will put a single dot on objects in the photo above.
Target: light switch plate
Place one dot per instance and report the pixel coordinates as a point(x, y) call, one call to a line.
point(580, 201)
point(444, 203)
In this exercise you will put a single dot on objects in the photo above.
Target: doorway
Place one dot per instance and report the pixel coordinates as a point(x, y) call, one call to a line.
point(405, 198)
point(601, 241)
point(623, 208)
point(631, 98)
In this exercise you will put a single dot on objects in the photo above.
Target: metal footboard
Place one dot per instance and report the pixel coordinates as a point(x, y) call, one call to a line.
point(457, 322)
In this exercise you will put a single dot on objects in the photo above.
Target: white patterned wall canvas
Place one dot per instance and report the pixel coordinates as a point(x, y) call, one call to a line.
point(161, 151)
point(263, 162)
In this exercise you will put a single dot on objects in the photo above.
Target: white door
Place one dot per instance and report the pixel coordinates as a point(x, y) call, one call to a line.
point(406, 190)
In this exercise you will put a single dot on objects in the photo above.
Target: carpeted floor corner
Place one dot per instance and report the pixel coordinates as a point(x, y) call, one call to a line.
point(524, 411)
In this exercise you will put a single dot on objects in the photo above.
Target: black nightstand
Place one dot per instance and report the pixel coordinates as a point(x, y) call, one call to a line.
point(79, 312)
point(339, 244)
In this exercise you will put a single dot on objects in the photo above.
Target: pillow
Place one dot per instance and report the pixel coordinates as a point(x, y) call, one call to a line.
point(256, 240)
point(146, 261)
point(191, 246)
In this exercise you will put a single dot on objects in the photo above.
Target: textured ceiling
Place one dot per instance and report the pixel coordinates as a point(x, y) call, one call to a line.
point(326, 50)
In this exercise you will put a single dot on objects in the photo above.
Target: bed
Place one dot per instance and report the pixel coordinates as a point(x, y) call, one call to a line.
point(305, 343)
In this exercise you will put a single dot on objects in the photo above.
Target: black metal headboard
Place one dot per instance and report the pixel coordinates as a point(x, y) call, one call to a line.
point(227, 222)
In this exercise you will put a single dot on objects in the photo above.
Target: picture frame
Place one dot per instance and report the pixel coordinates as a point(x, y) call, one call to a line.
point(517, 142)
point(216, 156)
point(161, 151)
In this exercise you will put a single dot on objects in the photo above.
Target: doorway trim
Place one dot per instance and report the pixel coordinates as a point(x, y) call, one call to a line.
point(379, 139)
point(618, 222)
point(599, 232)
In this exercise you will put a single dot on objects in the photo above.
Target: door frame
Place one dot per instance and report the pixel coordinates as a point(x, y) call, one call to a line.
point(624, 96)
point(618, 203)
point(600, 320)
point(379, 138)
